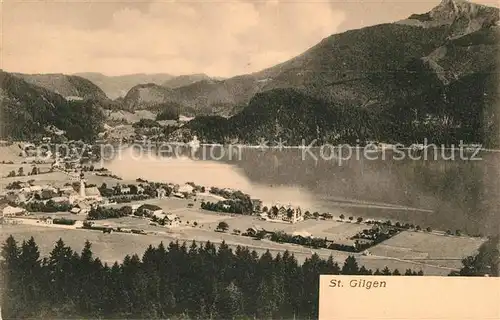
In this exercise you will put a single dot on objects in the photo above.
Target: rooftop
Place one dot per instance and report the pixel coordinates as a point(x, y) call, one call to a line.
point(59, 199)
point(92, 191)
point(10, 209)
point(171, 217)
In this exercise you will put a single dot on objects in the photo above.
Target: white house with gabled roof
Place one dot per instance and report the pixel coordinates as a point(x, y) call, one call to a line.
point(11, 211)
point(172, 220)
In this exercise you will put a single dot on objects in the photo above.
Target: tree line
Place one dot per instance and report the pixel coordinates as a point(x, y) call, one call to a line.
point(228, 206)
point(99, 213)
point(175, 281)
point(179, 282)
point(485, 262)
point(20, 172)
point(49, 206)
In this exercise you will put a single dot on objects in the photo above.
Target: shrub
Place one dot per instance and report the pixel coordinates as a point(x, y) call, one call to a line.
point(64, 221)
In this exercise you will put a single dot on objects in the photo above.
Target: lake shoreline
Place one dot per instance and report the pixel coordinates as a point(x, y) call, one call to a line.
point(374, 148)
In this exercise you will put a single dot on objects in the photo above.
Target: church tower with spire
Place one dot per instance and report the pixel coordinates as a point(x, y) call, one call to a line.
point(82, 186)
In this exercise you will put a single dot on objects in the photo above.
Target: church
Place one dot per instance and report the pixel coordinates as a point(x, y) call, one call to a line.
point(86, 195)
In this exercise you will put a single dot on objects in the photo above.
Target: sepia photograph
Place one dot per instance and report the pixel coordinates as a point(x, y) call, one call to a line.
point(203, 159)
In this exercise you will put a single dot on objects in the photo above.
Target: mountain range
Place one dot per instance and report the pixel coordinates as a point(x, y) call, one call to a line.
point(430, 75)
point(68, 86)
point(118, 86)
point(29, 111)
point(341, 67)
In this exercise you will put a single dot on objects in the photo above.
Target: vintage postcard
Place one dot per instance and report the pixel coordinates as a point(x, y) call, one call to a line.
point(250, 159)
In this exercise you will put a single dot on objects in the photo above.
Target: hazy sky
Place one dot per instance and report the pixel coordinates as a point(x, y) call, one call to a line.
point(220, 38)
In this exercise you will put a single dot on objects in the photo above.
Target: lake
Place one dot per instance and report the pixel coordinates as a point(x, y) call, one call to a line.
point(434, 191)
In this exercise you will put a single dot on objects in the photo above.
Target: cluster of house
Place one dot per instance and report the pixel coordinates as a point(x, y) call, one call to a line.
point(178, 191)
point(69, 162)
point(161, 192)
point(68, 159)
point(157, 214)
point(170, 220)
point(81, 201)
point(66, 164)
point(285, 213)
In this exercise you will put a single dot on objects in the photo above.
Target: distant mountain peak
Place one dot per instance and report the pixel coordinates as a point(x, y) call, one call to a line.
point(452, 9)
point(452, 4)
point(461, 16)
point(184, 80)
point(118, 86)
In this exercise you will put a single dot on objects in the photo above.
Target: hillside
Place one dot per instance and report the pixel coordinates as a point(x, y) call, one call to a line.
point(185, 80)
point(469, 54)
point(465, 110)
point(286, 114)
point(147, 96)
point(204, 97)
point(356, 67)
point(430, 76)
point(27, 111)
point(118, 86)
point(70, 87)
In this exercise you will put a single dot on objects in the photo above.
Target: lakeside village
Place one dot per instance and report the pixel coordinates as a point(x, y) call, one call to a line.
point(94, 203)
point(142, 207)
point(83, 206)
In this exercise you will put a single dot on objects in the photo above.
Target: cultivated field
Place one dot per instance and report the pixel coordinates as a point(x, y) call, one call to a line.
point(417, 247)
point(331, 229)
point(132, 223)
point(91, 178)
point(57, 215)
point(110, 247)
point(431, 248)
point(170, 203)
point(53, 178)
point(131, 117)
point(6, 168)
point(198, 215)
point(186, 215)
point(114, 247)
point(122, 131)
point(10, 153)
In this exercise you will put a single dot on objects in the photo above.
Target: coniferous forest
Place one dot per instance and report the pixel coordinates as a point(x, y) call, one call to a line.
point(174, 281)
point(177, 281)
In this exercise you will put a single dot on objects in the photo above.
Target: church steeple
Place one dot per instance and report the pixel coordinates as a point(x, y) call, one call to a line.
point(82, 185)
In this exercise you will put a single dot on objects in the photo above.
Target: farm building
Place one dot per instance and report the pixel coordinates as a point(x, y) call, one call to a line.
point(10, 211)
point(172, 220)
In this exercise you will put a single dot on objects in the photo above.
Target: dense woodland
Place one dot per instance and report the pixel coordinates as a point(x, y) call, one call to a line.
point(169, 111)
point(28, 109)
point(176, 282)
point(440, 114)
point(195, 282)
point(237, 202)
